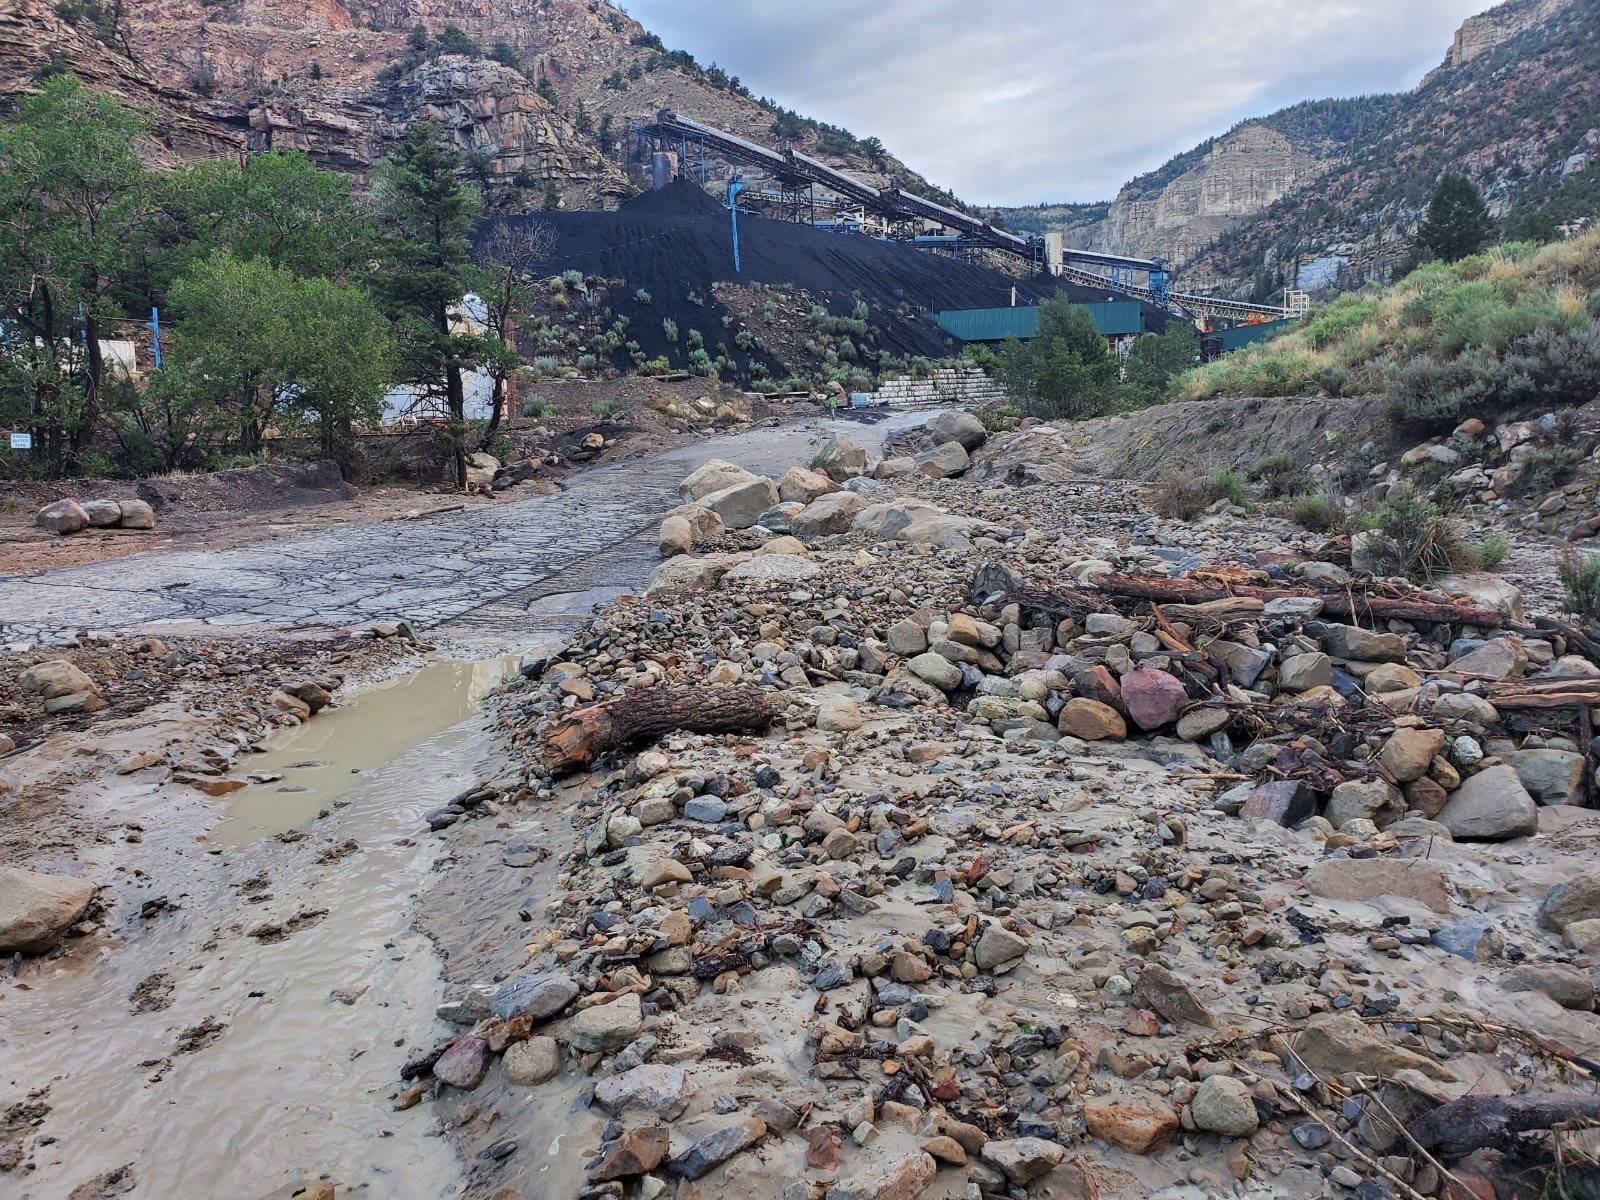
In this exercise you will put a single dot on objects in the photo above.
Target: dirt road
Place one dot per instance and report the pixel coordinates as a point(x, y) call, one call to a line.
point(478, 570)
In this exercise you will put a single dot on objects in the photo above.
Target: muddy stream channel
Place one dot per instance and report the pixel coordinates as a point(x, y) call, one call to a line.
point(245, 1035)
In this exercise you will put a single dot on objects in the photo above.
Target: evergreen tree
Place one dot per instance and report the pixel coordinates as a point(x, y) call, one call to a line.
point(428, 212)
point(1458, 221)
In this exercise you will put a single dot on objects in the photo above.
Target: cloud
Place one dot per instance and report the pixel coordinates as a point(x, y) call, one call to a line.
point(1024, 101)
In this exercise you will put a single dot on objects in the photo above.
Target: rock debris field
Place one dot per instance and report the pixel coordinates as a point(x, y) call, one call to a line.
point(1017, 882)
point(942, 824)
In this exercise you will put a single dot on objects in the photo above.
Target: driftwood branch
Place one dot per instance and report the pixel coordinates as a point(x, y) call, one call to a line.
point(1546, 693)
point(576, 740)
point(1456, 1129)
point(1231, 600)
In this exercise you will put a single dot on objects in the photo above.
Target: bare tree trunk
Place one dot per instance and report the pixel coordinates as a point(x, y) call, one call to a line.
point(575, 741)
point(1456, 1129)
point(456, 398)
point(94, 373)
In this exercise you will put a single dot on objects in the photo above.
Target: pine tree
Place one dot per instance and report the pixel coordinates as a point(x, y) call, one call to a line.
point(1458, 222)
point(428, 211)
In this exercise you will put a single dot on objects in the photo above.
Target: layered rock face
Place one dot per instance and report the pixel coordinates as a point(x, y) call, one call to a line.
point(1244, 173)
point(1482, 33)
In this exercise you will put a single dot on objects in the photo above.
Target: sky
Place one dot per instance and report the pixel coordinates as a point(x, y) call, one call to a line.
point(1028, 101)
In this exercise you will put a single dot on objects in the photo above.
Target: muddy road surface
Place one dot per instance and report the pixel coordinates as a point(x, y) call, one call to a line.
point(479, 569)
point(238, 1025)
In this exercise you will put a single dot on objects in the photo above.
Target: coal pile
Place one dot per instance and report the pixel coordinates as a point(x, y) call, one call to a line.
point(678, 242)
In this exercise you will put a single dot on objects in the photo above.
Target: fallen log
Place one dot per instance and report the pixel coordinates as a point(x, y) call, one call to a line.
point(576, 740)
point(1353, 604)
point(1546, 693)
point(1456, 1129)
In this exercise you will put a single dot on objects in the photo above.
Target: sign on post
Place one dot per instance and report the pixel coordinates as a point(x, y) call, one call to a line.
point(22, 441)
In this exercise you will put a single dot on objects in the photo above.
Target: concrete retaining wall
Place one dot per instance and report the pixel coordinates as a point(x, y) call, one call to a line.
point(966, 386)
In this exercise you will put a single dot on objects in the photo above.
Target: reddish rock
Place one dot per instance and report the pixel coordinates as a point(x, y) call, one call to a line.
point(1142, 1023)
point(1286, 801)
point(822, 1150)
point(1098, 683)
point(1153, 698)
point(639, 1152)
point(1137, 1124)
point(1092, 721)
point(465, 1064)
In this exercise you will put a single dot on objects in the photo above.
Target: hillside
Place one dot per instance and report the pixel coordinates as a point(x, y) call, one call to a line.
point(539, 92)
point(1516, 105)
point(1335, 186)
point(654, 282)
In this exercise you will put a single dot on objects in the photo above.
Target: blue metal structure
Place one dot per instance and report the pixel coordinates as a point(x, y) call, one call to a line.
point(735, 186)
point(154, 326)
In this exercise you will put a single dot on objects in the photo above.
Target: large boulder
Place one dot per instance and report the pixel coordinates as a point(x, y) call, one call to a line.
point(1222, 1104)
point(741, 505)
point(890, 519)
point(1409, 752)
point(1570, 901)
point(841, 458)
point(714, 476)
point(1367, 879)
point(832, 513)
point(1153, 698)
point(103, 513)
point(1490, 806)
point(953, 425)
point(136, 514)
point(605, 1028)
point(1551, 776)
point(1092, 721)
point(37, 910)
point(54, 678)
point(1138, 1123)
point(676, 537)
point(1502, 658)
point(772, 568)
point(703, 523)
point(685, 574)
point(944, 462)
point(63, 516)
point(1374, 800)
point(803, 485)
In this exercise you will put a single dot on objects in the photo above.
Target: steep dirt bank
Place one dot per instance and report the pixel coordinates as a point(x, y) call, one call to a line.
point(1214, 434)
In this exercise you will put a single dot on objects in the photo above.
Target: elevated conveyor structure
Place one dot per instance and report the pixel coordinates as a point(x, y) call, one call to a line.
point(795, 172)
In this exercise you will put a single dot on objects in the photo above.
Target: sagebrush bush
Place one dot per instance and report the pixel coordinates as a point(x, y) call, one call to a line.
point(1320, 514)
point(1279, 475)
point(1411, 536)
point(1580, 576)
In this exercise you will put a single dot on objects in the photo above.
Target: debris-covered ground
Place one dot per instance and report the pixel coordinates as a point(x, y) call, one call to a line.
point(1031, 846)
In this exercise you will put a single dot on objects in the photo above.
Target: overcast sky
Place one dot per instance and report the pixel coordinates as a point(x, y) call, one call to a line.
point(1022, 101)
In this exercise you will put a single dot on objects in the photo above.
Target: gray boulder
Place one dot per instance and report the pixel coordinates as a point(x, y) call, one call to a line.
point(1490, 806)
point(1354, 644)
point(741, 505)
point(1570, 901)
point(1373, 800)
point(841, 458)
point(103, 513)
point(1551, 776)
point(136, 514)
point(953, 425)
point(715, 476)
point(944, 462)
point(833, 513)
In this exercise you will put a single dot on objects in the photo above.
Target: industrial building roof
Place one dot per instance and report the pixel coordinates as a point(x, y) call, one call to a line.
point(1116, 319)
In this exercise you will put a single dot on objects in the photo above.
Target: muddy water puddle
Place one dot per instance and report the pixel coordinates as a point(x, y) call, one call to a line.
point(251, 1037)
point(321, 763)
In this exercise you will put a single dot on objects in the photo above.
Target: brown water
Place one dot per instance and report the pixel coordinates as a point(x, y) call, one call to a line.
point(325, 760)
point(297, 1083)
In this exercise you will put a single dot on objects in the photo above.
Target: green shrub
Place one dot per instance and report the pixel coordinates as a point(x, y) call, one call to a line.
point(642, 296)
point(1180, 496)
point(1412, 537)
point(669, 328)
point(537, 406)
point(1279, 475)
point(1227, 484)
point(1320, 514)
point(1492, 552)
point(1580, 576)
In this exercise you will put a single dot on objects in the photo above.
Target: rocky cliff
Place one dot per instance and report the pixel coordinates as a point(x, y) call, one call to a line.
point(540, 93)
point(1329, 192)
point(1240, 175)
